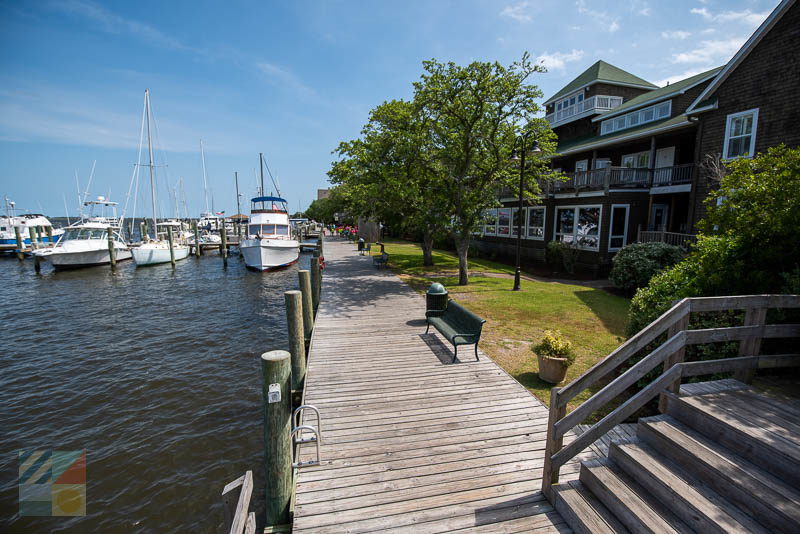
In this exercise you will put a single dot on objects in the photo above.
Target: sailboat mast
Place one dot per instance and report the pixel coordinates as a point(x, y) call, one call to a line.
point(152, 172)
point(261, 166)
point(238, 208)
point(205, 180)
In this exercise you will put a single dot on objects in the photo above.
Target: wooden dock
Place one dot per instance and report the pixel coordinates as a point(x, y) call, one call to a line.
point(411, 441)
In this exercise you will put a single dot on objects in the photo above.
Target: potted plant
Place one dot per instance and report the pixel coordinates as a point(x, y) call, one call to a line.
point(555, 355)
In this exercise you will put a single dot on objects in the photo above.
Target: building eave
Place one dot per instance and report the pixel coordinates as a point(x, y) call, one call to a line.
point(743, 52)
point(616, 112)
point(633, 136)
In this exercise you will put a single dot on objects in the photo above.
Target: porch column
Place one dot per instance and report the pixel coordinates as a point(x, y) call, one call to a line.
point(652, 162)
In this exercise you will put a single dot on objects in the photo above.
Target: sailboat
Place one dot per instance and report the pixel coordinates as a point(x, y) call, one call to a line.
point(157, 250)
point(269, 243)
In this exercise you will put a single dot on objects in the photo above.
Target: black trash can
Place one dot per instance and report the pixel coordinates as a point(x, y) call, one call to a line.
point(360, 244)
point(436, 298)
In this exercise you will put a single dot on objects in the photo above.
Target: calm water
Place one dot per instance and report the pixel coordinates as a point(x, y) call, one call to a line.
point(153, 372)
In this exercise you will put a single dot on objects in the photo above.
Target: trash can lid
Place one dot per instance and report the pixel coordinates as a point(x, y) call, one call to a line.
point(437, 289)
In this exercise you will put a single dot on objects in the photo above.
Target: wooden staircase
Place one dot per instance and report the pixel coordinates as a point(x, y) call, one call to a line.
point(718, 462)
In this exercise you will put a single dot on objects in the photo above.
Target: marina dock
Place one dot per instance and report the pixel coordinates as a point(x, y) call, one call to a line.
point(410, 440)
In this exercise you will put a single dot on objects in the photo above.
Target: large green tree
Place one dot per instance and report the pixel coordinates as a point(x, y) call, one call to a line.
point(474, 115)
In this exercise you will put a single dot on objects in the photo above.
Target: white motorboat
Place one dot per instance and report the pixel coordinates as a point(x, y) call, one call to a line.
point(40, 224)
point(269, 243)
point(85, 244)
point(157, 250)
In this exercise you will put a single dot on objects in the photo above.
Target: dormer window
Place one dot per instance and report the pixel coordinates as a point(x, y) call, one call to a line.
point(635, 118)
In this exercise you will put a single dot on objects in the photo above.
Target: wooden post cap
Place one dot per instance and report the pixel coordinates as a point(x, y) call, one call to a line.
point(276, 356)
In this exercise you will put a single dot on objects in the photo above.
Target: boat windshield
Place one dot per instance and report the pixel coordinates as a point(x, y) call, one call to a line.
point(268, 229)
point(84, 233)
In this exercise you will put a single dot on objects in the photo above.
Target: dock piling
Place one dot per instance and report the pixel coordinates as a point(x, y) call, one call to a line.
point(112, 252)
point(171, 246)
point(297, 347)
point(196, 240)
point(308, 309)
point(32, 232)
point(277, 370)
point(20, 244)
point(223, 247)
point(316, 280)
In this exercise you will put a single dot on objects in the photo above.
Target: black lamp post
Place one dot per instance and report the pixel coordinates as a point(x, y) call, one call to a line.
point(534, 148)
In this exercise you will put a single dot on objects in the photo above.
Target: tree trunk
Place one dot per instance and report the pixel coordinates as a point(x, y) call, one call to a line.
point(427, 249)
point(462, 246)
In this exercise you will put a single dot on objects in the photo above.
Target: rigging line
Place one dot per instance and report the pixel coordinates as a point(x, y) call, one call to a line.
point(134, 174)
point(89, 184)
point(160, 148)
point(277, 189)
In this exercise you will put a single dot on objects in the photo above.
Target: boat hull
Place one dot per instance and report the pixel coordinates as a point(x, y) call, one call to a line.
point(87, 258)
point(148, 254)
point(267, 254)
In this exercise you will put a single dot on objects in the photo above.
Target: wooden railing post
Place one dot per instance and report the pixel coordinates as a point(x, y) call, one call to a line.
point(750, 346)
point(672, 359)
point(553, 444)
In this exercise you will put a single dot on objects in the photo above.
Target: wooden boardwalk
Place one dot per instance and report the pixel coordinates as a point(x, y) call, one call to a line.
point(411, 441)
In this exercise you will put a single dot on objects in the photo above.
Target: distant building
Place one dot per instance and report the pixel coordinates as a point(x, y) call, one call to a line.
point(323, 193)
point(633, 152)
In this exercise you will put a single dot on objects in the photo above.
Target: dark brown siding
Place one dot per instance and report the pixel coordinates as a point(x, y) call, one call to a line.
point(768, 79)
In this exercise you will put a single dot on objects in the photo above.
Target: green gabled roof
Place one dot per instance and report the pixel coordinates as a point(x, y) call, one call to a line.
point(602, 72)
point(660, 94)
point(585, 143)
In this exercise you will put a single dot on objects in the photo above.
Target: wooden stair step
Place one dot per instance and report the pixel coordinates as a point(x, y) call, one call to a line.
point(583, 512)
point(696, 504)
point(761, 495)
point(627, 500)
point(768, 448)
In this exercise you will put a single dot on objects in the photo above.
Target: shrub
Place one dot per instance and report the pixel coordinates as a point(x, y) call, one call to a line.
point(635, 265)
point(748, 240)
point(554, 345)
point(559, 254)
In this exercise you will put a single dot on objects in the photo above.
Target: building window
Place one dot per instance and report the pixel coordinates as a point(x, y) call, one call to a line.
point(635, 118)
point(535, 226)
point(490, 227)
point(618, 230)
point(503, 220)
point(515, 220)
point(740, 134)
point(579, 225)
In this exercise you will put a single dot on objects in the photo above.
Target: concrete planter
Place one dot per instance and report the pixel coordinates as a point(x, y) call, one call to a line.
point(552, 370)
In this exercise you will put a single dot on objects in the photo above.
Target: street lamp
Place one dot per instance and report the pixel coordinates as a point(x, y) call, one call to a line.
point(534, 149)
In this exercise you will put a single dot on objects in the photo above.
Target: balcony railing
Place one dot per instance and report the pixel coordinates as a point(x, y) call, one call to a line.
point(672, 238)
point(596, 103)
point(624, 177)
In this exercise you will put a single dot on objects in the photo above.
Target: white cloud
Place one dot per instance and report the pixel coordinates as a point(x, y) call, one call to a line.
point(282, 78)
point(678, 77)
point(676, 34)
point(112, 23)
point(640, 7)
point(559, 60)
point(710, 52)
point(747, 17)
point(518, 12)
point(606, 21)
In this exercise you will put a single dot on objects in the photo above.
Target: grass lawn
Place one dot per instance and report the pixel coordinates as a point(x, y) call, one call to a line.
point(592, 319)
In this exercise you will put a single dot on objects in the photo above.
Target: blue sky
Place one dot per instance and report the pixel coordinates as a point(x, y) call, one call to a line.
point(290, 79)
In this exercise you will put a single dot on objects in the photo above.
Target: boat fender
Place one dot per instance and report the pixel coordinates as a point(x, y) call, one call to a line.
point(322, 262)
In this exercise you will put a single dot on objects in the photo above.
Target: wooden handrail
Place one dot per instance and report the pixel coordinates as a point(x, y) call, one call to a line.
point(675, 321)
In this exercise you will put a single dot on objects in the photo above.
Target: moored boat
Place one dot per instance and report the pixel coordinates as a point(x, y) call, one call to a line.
point(269, 243)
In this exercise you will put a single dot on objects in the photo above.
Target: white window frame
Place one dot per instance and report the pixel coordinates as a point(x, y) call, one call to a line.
point(638, 157)
point(575, 212)
point(527, 235)
point(610, 125)
point(598, 160)
point(624, 235)
point(582, 163)
point(731, 117)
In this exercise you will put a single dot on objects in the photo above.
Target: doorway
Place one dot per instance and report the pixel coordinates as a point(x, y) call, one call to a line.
point(658, 217)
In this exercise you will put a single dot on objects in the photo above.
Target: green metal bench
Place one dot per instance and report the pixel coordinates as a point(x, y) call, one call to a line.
point(457, 324)
point(380, 261)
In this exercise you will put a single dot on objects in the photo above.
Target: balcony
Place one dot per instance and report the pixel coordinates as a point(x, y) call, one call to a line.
point(623, 177)
point(595, 104)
